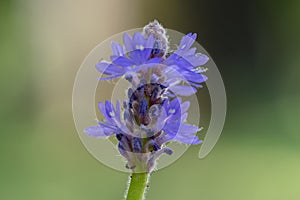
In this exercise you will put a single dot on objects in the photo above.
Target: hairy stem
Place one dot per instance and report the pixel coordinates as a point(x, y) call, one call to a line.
point(137, 186)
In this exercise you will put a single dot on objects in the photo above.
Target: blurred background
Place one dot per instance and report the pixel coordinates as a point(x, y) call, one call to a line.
point(256, 46)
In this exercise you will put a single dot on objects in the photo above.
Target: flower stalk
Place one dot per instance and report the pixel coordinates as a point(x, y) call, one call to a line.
point(137, 186)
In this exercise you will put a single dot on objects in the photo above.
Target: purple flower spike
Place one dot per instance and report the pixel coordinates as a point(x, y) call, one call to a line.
point(154, 114)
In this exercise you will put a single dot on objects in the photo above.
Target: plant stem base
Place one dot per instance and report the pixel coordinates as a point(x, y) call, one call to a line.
point(137, 186)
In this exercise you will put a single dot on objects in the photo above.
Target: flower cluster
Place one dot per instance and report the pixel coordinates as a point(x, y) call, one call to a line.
point(154, 113)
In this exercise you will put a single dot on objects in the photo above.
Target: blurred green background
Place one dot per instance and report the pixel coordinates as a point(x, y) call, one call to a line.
point(256, 46)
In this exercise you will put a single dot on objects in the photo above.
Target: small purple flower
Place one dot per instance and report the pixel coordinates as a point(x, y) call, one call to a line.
point(112, 123)
point(175, 128)
point(153, 114)
point(131, 58)
point(185, 65)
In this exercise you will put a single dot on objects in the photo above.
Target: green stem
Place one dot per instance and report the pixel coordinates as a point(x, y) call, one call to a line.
point(137, 186)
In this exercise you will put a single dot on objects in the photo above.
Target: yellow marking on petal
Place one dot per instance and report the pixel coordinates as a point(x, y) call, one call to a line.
point(171, 111)
point(111, 113)
point(140, 47)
